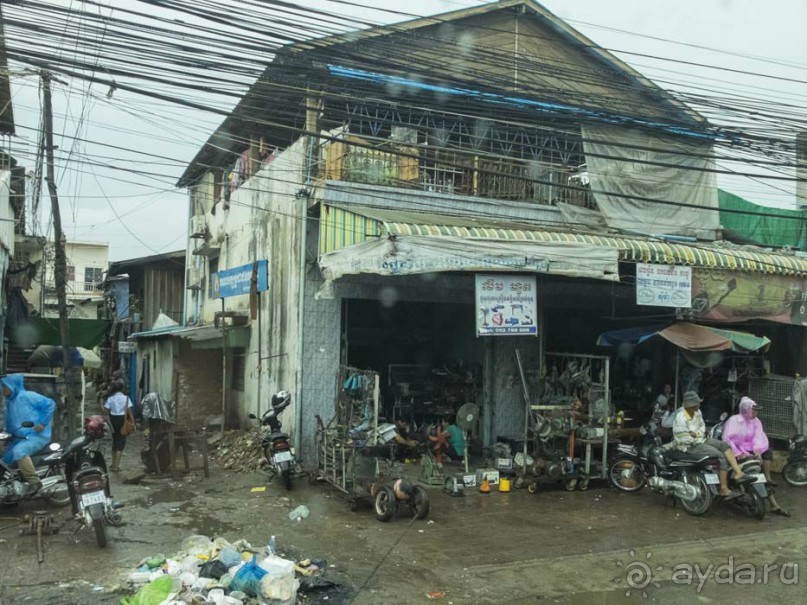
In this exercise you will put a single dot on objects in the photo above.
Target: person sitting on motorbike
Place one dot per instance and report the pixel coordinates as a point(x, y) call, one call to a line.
point(689, 435)
point(744, 433)
point(22, 407)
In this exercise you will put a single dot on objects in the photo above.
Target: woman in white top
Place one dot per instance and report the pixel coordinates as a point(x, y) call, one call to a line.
point(117, 404)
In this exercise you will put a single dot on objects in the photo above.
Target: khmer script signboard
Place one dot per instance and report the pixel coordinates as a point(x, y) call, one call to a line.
point(238, 281)
point(663, 286)
point(506, 305)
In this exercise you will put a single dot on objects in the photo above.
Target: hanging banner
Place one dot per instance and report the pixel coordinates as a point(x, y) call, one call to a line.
point(238, 281)
point(734, 297)
point(507, 305)
point(663, 285)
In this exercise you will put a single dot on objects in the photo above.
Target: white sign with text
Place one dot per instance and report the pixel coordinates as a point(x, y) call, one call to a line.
point(663, 285)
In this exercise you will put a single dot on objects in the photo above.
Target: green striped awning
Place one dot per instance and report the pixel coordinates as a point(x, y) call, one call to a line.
point(340, 228)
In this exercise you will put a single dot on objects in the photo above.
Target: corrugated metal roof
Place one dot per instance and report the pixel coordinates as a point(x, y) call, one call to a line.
point(201, 337)
point(340, 228)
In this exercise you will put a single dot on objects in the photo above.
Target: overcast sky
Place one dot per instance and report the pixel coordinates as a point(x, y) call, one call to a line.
point(151, 215)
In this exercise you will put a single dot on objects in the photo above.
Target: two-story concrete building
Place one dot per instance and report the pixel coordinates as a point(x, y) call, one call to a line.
point(384, 175)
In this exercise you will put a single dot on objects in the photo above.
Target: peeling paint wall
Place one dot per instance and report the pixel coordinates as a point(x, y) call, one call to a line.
point(263, 220)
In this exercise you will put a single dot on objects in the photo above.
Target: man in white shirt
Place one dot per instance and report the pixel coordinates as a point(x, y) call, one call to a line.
point(689, 435)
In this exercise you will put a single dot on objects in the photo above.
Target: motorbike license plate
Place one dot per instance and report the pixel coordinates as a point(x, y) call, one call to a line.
point(760, 478)
point(93, 498)
point(282, 457)
point(712, 479)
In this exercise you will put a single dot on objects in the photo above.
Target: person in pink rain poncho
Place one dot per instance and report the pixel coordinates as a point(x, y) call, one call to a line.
point(744, 433)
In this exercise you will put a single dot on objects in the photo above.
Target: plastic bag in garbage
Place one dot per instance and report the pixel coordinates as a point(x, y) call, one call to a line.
point(213, 569)
point(248, 578)
point(301, 512)
point(230, 556)
point(197, 545)
point(153, 593)
point(278, 583)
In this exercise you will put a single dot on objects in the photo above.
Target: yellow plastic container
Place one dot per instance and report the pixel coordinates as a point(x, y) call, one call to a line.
point(504, 484)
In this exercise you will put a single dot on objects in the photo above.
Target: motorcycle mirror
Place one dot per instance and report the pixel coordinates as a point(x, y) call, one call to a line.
point(27, 424)
point(253, 416)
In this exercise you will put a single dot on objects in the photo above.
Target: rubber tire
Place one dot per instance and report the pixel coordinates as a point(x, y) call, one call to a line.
point(703, 507)
point(582, 483)
point(98, 524)
point(533, 487)
point(285, 477)
point(756, 506)
point(570, 485)
point(385, 504)
point(423, 511)
point(788, 469)
point(641, 482)
point(54, 501)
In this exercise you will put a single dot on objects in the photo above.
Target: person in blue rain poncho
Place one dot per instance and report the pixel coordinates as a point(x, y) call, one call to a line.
point(26, 406)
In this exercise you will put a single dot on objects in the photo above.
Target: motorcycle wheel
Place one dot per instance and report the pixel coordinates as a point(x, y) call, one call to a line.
point(285, 476)
point(58, 496)
point(582, 484)
point(795, 473)
point(570, 485)
point(98, 525)
point(625, 475)
point(700, 505)
point(754, 503)
point(419, 503)
point(385, 504)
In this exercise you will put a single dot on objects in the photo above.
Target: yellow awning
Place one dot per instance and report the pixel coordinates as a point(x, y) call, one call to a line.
point(340, 228)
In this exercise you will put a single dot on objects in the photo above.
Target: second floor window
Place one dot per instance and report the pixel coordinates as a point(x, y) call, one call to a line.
point(93, 276)
point(71, 273)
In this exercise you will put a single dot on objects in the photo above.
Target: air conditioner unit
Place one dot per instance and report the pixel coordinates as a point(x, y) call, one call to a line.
point(198, 226)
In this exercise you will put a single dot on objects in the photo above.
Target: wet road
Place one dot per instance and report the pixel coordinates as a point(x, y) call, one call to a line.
point(555, 546)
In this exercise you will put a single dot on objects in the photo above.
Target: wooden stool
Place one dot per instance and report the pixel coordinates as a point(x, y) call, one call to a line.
point(184, 438)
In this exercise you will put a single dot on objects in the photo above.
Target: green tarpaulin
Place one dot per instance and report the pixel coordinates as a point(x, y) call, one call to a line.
point(788, 228)
point(86, 333)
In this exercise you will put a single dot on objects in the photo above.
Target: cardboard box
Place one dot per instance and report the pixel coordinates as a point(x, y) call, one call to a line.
point(504, 464)
point(491, 474)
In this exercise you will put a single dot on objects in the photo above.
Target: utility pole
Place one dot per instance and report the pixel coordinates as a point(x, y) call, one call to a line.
point(60, 261)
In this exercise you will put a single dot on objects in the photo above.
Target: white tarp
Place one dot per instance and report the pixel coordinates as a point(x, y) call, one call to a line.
point(406, 255)
point(621, 174)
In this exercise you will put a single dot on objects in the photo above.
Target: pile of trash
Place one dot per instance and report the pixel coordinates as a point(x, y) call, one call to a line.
point(221, 573)
point(238, 451)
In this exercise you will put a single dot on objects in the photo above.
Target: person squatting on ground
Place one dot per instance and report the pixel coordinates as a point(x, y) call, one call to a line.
point(117, 406)
point(744, 433)
point(689, 435)
point(24, 406)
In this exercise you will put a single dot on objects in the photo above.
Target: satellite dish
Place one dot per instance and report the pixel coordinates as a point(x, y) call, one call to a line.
point(466, 418)
point(467, 415)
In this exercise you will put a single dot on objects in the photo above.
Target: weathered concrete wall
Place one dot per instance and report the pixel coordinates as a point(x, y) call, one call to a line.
point(160, 354)
point(263, 220)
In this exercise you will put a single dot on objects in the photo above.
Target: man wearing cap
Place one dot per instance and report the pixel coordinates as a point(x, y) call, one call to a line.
point(744, 433)
point(689, 435)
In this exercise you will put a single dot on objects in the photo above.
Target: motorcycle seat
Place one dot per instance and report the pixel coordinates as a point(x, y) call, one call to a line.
point(38, 457)
point(276, 436)
point(683, 458)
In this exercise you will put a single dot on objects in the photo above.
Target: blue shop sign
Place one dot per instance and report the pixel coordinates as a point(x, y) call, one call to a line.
point(238, 281)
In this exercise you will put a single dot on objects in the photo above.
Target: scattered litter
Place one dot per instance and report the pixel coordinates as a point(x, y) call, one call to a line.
point(430, 522)
point(299, 513)
point(436, 595)
point(219, 572)
point(262, 488)
point(420, 531)
point(174, 509)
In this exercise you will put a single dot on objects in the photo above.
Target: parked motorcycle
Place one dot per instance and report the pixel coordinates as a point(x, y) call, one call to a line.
point(14, 489)
point(795, 470)
point(88, 480)
point(276, 445)
point(630, 467)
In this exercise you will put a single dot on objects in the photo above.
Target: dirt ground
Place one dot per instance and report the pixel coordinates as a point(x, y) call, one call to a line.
point(554, 546)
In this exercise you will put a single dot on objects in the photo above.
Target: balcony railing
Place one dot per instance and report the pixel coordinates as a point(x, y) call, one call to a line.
point(446, 171)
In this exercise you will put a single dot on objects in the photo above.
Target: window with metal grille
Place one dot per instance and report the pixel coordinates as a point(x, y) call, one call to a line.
point(93, 276)
point(238, 368)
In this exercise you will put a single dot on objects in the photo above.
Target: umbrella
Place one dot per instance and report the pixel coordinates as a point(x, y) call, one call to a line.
point(690, 337)
point(51, 357)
